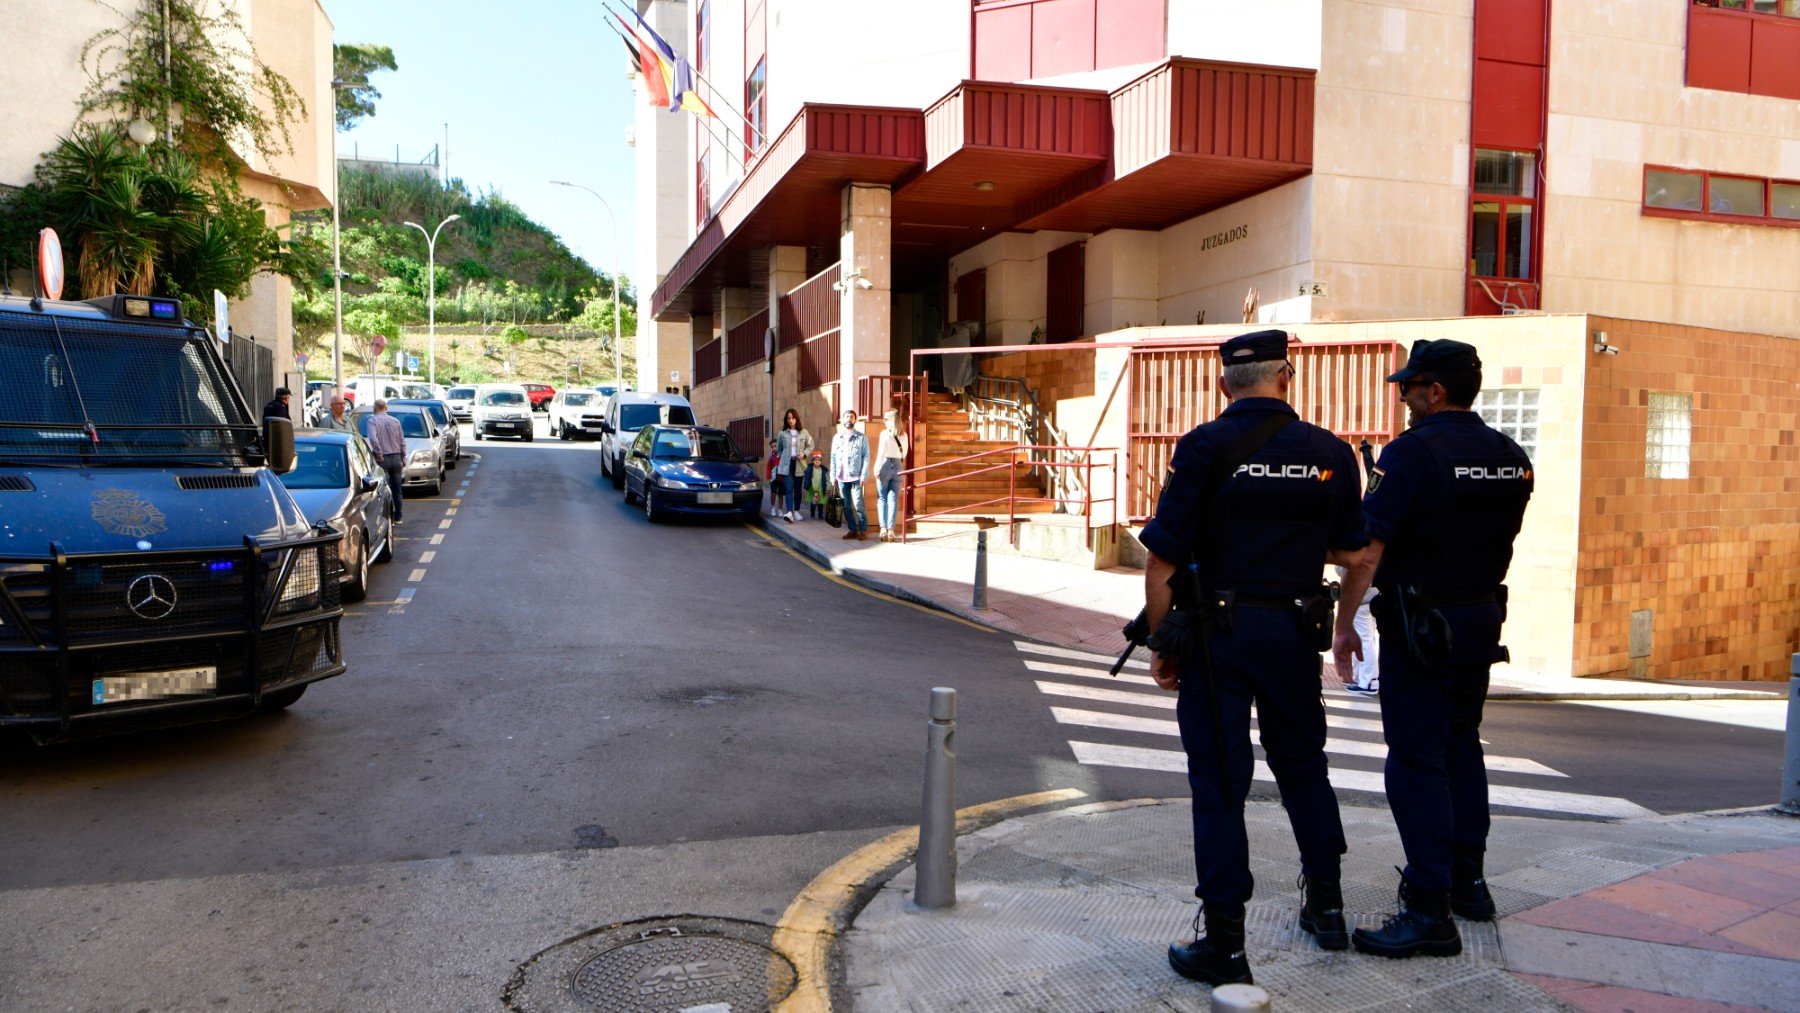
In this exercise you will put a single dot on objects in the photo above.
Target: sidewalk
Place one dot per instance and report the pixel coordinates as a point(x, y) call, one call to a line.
point(1074, 909)
point(1073, 606)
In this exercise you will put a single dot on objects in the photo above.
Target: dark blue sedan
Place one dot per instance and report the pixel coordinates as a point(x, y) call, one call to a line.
point(689, 470)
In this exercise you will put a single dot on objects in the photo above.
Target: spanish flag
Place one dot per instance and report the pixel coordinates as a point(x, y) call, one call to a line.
point(659, 73)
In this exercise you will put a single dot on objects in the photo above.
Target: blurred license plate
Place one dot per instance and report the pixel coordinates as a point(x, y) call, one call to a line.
point(156, 685)
point(714, 498)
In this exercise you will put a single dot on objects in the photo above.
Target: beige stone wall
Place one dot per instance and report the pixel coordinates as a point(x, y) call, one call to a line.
point(1017, 273)
point(1273, 256)
point(1618, 102)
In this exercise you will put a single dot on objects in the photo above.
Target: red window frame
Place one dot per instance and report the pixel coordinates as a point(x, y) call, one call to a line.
point(1507, 201)
point(756, 109)
point(702, 191)
point(1745, 10)
point(702, 36)
point(1768, 216)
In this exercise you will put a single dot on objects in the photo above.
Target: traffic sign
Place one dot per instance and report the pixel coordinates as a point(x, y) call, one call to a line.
point(377, 344)
point(221, 318)
point(49, 264)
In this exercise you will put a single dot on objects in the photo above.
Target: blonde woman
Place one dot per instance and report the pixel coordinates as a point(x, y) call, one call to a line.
point(890, 461)
point(794, 447)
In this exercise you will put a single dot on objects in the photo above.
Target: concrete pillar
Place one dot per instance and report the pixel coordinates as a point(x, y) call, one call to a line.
point(734, 309)
point(1123, 283)
point(787, 269)
point(700, 331)
point(673, 363)
point(865, 245)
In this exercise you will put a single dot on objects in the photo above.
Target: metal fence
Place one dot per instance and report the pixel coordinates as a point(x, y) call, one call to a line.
point(253, 366)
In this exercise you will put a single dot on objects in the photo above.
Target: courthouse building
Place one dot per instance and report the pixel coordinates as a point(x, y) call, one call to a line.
point(1089, 194)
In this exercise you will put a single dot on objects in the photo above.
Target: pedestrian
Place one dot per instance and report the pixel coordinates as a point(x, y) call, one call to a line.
point(277, 408)
point(777, 487)
point(890, 460)
point(388, 442)
point(816, 483)
point(849, 468)
point(337, 418)
point(1443, 509)
point(1254, 505)
point(1366, 670)
point(795, 446)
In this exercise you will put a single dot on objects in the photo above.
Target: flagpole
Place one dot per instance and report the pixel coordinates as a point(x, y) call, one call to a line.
point(748, 127)
point(728, 140)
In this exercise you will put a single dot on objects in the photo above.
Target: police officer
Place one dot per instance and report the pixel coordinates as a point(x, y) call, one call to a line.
point(1256, 502)
point(1443, 508)
point(277, 408)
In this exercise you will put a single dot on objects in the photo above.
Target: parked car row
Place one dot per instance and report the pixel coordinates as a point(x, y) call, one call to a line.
point(337, 482)
point(427, 445)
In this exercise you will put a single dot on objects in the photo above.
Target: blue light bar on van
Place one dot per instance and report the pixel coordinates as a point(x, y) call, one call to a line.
point(221, 565)
point(149, 308)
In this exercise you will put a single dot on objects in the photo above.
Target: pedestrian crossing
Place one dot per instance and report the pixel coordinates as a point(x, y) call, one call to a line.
point(1093, 706)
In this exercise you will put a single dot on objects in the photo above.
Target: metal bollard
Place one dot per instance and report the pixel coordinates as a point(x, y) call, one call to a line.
point(1239, 998)
point(935, 883)
point(1790, 785)
point(980, 602)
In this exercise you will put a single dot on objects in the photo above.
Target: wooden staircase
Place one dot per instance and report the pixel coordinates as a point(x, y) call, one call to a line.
point(947, 436)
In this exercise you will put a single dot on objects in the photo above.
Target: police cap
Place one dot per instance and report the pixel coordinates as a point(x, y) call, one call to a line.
point(282, 392)
point(1440, 356)
point(1257, 346)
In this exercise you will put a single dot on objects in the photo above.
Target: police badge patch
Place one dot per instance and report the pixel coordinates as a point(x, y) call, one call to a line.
point(123, 512)
point(1375, 478)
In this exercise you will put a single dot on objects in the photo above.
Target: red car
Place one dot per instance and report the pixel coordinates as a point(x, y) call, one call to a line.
point(540, 395)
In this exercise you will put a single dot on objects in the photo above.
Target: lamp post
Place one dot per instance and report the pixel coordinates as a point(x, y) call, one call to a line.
point(337, 250)
point(618, 358)
point(431, 281)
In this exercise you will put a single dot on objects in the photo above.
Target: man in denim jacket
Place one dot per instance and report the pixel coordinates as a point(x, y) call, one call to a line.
point(849, 467)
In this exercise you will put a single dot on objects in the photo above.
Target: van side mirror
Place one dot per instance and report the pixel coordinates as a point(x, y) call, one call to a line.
point(278, 445)
point(606, 427)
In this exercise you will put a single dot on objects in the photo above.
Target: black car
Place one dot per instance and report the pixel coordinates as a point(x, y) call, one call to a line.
point(689, 470)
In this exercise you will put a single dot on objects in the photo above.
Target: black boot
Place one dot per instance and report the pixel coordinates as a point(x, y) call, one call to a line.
point(1421, 926)
point(1322, 914)
point(1469, 896)
point(1218, 957)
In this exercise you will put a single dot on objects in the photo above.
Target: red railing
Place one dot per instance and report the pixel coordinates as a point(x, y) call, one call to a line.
point(876, 394)
point(812, 308)
point(744, 343)
point(750, 434)
point(706, 362)
point(1013, 457)
point(819, 363)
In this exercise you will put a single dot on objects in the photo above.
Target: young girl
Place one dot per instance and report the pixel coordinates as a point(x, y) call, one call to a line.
point(816, 483)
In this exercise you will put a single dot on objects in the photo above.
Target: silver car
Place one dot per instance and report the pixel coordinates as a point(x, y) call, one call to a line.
point(337, 482)
point(425, 450)
point(446, 423)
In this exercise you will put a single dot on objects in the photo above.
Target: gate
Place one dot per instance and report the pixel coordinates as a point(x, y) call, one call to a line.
point(253, 366)
point(1340, 385)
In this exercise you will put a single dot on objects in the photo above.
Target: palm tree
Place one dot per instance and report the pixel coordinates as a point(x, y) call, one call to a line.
point(95, 189)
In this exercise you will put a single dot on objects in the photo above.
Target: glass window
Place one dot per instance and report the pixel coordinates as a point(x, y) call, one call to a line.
point(636, 416)
point(318, 466)
point(1513, 411)
point(1785, 200)
point(411, 424)
point(1734, 195)
point(502, 397)
point(1485, 250)
point(756, 109)
point(577, 398)
point(1507, 173)
point(680, 443)
point(1678, 191)
point(1518, 242)
point(703, 37)
point(1668, 435)
point(462, 393)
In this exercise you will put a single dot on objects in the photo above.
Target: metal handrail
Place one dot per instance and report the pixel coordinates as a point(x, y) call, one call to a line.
point(1012, 499)
point(1029, 417)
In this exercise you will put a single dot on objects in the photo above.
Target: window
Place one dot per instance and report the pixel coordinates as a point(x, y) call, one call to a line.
point(1718, 197)
point(1779, 8)
point(756, 109)
point(1668, 435)
point(702, 192)
point(703, 37)
point(1513, 411)
point(1502, 238)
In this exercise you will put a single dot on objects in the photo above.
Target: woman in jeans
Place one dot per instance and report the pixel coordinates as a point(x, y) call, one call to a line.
point(890, 460)
point(794, 446)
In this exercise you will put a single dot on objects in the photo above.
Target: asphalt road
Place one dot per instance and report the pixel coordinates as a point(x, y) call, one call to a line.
point(566, 675)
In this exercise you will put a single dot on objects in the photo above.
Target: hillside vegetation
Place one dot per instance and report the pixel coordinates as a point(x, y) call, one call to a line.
point(512, 300)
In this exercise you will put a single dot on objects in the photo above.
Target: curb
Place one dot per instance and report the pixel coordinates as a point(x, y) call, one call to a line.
point(793, 541)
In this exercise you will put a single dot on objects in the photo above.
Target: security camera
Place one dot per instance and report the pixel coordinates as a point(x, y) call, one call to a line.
point(864, 283)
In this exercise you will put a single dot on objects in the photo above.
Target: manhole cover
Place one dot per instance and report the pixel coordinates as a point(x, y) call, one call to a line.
point(711, 964)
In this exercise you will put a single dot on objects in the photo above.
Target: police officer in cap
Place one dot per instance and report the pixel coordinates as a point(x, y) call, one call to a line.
point(1254, 504)
point(277, 408)
point(1443, 508)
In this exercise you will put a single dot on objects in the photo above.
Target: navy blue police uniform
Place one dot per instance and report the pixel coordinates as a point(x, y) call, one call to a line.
point(1263, 538)
point(1447, 499)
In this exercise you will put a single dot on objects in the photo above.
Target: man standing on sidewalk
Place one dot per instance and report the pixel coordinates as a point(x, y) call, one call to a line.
point(849, 467)
point(1254, 505)
point(338, 418)
point(1443, 509)
point(388, 441)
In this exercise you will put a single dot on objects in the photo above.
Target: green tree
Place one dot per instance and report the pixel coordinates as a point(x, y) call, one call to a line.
point(351, 65)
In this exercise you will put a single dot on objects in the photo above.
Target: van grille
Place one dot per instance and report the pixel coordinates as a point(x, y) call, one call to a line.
point(15, 483)
point(208, 594)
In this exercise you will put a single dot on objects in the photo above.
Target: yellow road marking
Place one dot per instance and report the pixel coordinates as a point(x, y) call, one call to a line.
point(437, 539)
point(852, 585)
point(416, 575)
point(450, 512)
point(809, 926)
point(427, 556)
point(443, 524)
point(456, 502)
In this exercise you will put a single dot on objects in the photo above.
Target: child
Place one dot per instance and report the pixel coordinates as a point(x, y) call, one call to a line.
point(816, 482)
point(777, 487)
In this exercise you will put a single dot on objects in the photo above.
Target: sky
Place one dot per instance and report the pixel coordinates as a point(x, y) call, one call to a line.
point(533, 91)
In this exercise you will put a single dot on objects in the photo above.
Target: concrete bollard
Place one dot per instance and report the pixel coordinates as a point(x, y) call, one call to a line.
point(935, 882)
point(1790, 785)
point(1239, 998)
point(980, 601)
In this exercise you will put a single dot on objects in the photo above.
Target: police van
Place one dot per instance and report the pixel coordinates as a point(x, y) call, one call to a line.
point(153, 570)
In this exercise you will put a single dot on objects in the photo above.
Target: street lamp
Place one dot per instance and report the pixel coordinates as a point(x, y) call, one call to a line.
point(337, 252)
point(431, 280)
point(618, 359)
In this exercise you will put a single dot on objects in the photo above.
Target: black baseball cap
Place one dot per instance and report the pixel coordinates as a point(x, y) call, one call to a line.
point(1440, 356)
point(279, 391)
point(1257, 346)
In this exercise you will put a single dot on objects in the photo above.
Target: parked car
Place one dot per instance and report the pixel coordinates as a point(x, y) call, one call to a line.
point(502, 409)
point(607, 390)
point(424, 447)
point(462, 403)
point(446, 423)
point(338, 483)
point(689, 470)
point(577, 413)
point(540, 394)
point(626, 413)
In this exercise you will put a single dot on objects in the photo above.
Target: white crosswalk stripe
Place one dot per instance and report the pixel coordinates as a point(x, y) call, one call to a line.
point(1358, 753)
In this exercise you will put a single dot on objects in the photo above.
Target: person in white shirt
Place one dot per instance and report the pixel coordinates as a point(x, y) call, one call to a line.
point(890, 461)
point(849, 467)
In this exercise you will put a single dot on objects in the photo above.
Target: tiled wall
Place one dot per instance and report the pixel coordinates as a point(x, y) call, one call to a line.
point(1714, 557)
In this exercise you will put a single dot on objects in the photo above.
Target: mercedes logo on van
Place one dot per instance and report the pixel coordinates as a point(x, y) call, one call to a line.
point(151, 596)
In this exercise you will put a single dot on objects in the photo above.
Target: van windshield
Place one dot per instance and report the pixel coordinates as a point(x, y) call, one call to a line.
point(633, 417)
point(111, 392)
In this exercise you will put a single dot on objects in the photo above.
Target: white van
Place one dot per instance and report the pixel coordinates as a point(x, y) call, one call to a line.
point(502, 409)
point(365, 389)
point(626, 413)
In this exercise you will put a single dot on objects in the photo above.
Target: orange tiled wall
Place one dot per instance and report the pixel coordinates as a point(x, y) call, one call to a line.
point(1716, 556)
point(1054, 373)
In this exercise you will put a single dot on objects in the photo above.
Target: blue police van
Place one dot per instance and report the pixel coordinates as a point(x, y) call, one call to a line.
point(153, 570)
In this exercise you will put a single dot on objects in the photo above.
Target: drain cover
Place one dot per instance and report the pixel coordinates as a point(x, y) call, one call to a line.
point(710, 964)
